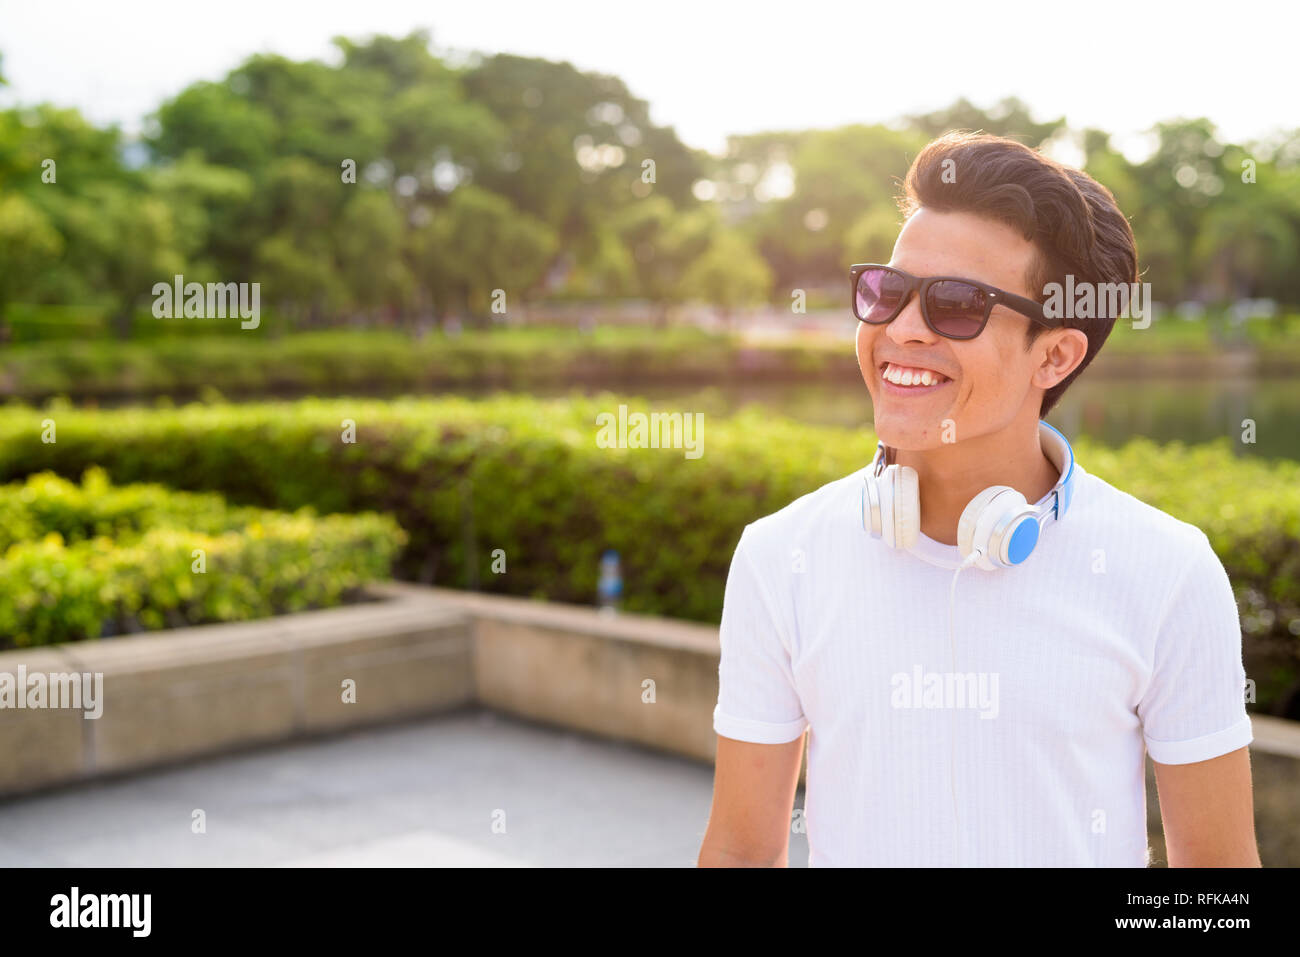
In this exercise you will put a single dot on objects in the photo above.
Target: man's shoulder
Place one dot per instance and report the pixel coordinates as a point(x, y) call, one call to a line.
point(836, 505)
point(1116, 510)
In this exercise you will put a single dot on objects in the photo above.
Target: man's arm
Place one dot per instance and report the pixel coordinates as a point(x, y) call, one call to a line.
point(1208, 812)
point(753, 796)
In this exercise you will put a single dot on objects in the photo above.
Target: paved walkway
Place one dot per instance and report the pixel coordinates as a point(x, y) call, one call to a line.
point(421, 794)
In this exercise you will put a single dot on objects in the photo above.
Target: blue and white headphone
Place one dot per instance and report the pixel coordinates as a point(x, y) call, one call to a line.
point(998, 523)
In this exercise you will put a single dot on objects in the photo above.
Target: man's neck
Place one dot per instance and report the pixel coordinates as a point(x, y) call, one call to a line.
point(950, 476)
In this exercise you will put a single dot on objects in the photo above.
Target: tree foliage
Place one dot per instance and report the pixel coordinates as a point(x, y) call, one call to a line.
point(394, 184)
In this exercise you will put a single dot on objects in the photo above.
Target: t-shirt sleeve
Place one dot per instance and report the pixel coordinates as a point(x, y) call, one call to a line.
point(757, 700)
point(1194, 707)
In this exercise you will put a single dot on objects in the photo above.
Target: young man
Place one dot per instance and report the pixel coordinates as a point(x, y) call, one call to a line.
point(1000, 718)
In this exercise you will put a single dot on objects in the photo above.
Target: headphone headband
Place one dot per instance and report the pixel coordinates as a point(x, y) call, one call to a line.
point(1058, 450)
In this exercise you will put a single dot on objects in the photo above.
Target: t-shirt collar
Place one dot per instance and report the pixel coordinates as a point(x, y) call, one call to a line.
point(949, 556)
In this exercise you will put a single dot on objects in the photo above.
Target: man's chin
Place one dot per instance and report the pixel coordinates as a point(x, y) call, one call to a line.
point(911, 433)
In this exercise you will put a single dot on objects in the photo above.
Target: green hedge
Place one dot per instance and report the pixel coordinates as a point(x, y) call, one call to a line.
point(526, 476)
point(464, 478)
point(29, 323)
point(94, 560)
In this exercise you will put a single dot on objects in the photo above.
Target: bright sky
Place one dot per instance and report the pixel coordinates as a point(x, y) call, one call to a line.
point(710, 69)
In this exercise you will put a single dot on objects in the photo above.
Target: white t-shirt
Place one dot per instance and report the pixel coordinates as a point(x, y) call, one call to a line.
point(1120, 631)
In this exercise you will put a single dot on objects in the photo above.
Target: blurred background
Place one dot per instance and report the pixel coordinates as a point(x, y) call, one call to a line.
point(474, 230)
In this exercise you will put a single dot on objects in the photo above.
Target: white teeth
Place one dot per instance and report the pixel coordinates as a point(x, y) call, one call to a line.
point(911, 377)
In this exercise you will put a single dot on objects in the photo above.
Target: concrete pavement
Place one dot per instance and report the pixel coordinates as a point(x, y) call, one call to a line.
point(472, 788)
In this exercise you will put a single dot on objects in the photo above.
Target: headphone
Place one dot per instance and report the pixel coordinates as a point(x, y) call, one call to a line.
point(997, 529)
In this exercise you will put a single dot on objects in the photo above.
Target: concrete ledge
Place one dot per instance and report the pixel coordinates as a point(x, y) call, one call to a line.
point(419, 650)
point(630, 677)
point(212, 688)
point(1275, 735)
point(573, 666)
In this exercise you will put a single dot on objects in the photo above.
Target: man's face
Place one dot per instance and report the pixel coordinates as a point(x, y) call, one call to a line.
point(988, 378)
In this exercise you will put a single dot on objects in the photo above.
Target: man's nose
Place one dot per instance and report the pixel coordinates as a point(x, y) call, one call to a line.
point(909, 325)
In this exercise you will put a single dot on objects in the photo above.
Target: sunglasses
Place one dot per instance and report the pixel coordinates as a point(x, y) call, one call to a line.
point(952, 307)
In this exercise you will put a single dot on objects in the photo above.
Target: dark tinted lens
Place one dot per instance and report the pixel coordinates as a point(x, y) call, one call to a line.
point(878, 294)
point(956, 308)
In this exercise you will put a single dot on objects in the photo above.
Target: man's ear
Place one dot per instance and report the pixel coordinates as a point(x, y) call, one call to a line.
point(1062, 350)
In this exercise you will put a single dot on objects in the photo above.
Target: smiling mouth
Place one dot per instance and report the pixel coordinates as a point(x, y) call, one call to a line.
point(911, 377)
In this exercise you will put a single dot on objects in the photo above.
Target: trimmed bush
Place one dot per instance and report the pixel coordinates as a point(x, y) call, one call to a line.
point(94, 560)
point(526, 476)
point(465, 478)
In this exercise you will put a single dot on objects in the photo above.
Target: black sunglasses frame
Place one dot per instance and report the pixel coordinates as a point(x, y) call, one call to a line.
point(993, 296)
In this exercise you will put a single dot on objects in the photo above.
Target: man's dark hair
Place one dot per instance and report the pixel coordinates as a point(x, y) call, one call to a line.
point(1071, 219)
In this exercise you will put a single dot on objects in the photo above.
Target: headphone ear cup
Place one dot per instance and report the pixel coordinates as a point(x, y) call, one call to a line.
point(970, 517)
point(907, 506)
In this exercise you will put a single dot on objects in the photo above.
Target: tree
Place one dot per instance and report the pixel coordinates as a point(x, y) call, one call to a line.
point(803, 193)
point(728, 275)
point(1177, 183)
point(478, 244)
point(210, 204)
point(609, 272)
point(302, 282)
point(663, 243)
point(577, 146)
point(369, 251)
point(1009, 117)
point(871, 238)
point(127, 242)
point(29, 244)
point(428, 118)
point(1244, 240)
point(214, 122)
